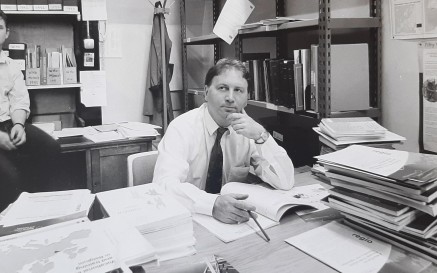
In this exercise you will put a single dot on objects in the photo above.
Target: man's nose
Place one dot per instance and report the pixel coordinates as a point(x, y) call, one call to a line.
point(230, 96)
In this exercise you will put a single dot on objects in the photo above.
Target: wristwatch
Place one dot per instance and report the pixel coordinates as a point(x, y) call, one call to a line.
point(262, 138)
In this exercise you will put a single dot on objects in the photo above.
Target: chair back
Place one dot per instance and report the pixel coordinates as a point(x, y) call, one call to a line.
point(140, 167)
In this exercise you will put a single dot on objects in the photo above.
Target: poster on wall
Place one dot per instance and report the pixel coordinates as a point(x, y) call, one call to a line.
point(413, 19)
point(428, 96)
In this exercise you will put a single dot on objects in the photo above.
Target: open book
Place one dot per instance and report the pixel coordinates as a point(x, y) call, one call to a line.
point(270, 206)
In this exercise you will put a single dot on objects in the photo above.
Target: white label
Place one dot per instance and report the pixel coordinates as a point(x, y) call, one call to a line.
point(25, 7)
point(71, 8)
point(40, 7)
point(16, 46)
point(278, 136)
point(55, 6)
point(9, 7)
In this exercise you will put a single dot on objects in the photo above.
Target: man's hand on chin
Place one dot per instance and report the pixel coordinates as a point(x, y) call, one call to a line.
point(229, 208)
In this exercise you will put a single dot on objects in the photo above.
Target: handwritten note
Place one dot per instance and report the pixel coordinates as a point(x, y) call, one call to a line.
point(93, 91)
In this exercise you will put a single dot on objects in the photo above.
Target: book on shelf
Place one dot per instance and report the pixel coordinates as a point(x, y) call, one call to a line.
point(8, 5)
point(270, 205)
point(348, 249)
point(104, 245)
point(159, 217)
point(314, 78)
point(17, 52)
point(349, 77)
point(35, 210)
point(306, 77)
point(41, 5)
point(24, 5)
point(71, 5)
point(55, 4)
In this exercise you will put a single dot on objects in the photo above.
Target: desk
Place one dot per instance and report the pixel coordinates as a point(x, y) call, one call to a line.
point(251, 254)
point(105, 162)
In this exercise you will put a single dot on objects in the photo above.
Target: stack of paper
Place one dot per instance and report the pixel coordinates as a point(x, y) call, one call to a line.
point(338, 133)
point(352, 128)
point(390, 194)
point(137, 129)
point(36, 210)
point(75, 246)
point(164, 222)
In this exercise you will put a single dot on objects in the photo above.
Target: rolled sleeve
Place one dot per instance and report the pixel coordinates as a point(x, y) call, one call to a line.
point(19, 95)
point(272, 164)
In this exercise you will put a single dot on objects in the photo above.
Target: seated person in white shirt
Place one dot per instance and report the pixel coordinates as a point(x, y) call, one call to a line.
point(183, 166)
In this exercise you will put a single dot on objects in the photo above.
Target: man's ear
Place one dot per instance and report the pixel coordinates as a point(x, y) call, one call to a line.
point(7, 33)
point(206, 93)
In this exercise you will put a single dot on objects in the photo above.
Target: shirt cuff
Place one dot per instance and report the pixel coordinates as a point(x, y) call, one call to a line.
point(206, 204)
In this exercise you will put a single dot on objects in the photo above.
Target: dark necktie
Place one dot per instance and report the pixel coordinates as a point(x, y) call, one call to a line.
point(215, 168)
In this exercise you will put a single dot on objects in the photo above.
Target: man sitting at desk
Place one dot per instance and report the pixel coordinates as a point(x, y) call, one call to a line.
point(19, 140)
point(217, 143)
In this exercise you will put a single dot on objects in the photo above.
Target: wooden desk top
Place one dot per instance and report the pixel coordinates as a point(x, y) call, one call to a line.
point(81, 143)
point(252, 253)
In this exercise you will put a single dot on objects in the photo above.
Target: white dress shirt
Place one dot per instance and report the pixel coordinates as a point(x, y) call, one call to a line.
point(184, 152)
point(13, 90)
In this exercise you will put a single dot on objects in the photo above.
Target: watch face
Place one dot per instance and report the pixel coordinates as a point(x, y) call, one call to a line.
point(263, 138)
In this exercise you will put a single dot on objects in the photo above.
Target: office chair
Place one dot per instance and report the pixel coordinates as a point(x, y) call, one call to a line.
point(140, 168)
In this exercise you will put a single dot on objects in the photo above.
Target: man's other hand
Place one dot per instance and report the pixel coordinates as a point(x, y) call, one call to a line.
point(229, 208)
point(5, 142)
point(18, 135)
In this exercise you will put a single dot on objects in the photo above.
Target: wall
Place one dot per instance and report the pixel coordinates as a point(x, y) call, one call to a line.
point(126, 76)
point(400, 80)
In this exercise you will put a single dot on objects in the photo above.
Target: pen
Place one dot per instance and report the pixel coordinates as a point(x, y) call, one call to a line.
point(256, 222)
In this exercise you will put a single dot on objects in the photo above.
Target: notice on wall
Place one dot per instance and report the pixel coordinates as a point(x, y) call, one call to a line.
point(94, 10)
point(428, 96)
point(413, 19)
point(233, 15)
point(93, 92)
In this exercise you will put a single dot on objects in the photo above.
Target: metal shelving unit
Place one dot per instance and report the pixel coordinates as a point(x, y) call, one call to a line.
point(325, 24)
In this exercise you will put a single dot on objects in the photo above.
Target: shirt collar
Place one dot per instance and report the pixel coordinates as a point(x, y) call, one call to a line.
point(3, 57)
point(210, 124)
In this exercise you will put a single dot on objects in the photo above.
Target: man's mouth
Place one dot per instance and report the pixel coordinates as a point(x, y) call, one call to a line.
point(229, 109)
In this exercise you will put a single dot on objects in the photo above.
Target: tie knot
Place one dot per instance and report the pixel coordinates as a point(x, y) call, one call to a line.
point(220, 132)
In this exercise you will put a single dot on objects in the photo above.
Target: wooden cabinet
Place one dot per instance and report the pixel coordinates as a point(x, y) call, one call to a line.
point(98, 166)
point(292, 129)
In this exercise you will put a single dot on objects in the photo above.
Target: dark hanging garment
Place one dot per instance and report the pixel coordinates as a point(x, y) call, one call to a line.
point(153, 99)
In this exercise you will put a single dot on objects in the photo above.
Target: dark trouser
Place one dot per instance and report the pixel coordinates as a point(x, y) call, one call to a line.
point(31, 167)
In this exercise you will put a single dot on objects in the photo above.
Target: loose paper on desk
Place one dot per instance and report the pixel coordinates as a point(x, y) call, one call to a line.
point(93, 91)
point(94, 10)
point(230, 232)
point(350, 251)
point(233, 15)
